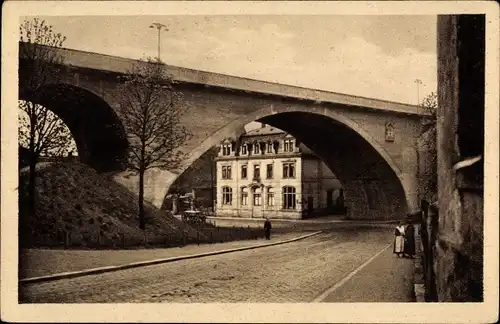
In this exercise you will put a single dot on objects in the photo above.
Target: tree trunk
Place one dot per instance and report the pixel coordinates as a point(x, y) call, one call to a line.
point(31, 186)
point(142, 220)
point(32, 160)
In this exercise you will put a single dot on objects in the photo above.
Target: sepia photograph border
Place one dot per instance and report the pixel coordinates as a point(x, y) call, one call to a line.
point(12, 311)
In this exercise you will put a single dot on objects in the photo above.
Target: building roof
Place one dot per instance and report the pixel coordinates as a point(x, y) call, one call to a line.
point(266, 130)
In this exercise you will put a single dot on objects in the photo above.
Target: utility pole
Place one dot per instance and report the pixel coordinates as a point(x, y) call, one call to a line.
point(159, 27)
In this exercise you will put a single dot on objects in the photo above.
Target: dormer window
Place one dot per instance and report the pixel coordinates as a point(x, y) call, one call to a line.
point(244, 149)
point(262, 147)
point(288, 145)
point(226, 149)
point(269, 147)
point(256, 148)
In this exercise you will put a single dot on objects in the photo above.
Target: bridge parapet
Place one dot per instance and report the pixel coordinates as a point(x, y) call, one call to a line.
point(116, 64)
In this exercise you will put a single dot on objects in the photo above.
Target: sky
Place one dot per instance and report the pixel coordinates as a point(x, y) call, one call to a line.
point(371, 56)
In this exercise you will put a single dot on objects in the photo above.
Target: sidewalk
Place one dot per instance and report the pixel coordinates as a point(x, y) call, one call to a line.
point(316, 220)
point(385, 279)
point(42, 262)
point(297, 223)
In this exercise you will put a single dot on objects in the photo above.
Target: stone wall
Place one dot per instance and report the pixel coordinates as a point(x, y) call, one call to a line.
point(459, 244)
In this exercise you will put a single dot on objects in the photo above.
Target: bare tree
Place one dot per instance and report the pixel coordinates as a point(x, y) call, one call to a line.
point(40, 130)
point(49, 135)
point(151, 111)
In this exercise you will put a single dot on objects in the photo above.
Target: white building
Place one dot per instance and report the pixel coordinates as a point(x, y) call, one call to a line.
point(267, 173)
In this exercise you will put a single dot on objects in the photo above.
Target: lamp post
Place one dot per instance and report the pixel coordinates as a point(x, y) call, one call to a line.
point(159, 27)
point(418, 82)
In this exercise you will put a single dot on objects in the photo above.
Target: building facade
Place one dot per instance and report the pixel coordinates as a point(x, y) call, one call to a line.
point(268, 173)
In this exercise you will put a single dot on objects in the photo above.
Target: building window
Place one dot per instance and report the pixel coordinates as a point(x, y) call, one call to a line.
point(226, 172)
point(227, 196)
point(226, 149)
point(269, 147)
point(270, 196)
point(244, 196)
point(257, 197)
point(389, 132)
point(289, 197)
point(244, 171)
point(256, 171)
point(256, 148)
point(269, 171)
point(288, 170)
point(288, 145)
point(244, 149)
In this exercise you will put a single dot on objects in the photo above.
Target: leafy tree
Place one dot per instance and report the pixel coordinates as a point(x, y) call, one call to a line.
point(430, 104)
point(427, 149)
point(40, 131)
point(151, 110)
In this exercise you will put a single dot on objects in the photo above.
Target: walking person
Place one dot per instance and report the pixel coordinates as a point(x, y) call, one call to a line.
point(409, 245)
point(399, 235)
point(267, 228)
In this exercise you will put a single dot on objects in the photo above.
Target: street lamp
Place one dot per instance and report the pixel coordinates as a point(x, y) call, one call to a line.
point(418, 82)
point(159, 27)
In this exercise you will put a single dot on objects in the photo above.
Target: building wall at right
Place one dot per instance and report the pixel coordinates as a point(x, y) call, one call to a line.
point(460, 137)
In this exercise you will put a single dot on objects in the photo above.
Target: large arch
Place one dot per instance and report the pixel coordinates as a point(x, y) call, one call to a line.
point(374, 183)
point(98, 132)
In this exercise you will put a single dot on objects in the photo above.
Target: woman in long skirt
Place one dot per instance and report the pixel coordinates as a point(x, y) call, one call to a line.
point(399, 240)
point(409, 245)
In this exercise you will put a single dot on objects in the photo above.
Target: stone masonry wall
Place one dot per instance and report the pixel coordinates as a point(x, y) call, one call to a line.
point(459, 246)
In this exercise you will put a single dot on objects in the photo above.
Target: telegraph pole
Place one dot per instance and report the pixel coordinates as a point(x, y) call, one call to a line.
point(159, 27)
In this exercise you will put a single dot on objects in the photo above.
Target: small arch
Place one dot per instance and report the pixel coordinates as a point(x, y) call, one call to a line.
point(244, 195)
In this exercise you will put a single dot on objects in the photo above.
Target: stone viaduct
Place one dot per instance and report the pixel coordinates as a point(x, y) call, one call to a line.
point(349, 133)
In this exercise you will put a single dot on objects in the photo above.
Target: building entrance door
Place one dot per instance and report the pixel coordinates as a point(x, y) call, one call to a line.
point(310, 203)
point(257, 203)
point(329, 198)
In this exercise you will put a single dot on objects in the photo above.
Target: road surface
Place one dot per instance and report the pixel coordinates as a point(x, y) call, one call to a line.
point(293, 272)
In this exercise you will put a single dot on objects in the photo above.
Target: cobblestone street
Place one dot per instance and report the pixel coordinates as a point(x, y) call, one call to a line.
point(293, 272)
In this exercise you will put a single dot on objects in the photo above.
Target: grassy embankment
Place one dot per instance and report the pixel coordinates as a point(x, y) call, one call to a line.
point(78, 208)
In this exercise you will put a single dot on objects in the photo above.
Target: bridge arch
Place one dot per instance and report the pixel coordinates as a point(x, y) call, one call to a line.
point(96, 128)
point(374, 184)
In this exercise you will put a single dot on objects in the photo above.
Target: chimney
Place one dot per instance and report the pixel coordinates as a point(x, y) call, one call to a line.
point(262, 125)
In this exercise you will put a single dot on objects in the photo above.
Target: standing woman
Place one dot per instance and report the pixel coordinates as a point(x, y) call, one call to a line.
point(399, 240)
point(409, 246)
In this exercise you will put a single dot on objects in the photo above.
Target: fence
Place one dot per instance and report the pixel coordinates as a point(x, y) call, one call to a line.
point(207, 233)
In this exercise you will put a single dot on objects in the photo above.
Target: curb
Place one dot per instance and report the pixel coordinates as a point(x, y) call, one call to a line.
point(307, 221)
point(81, 273)
point(418, 273)
point(418, 280)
